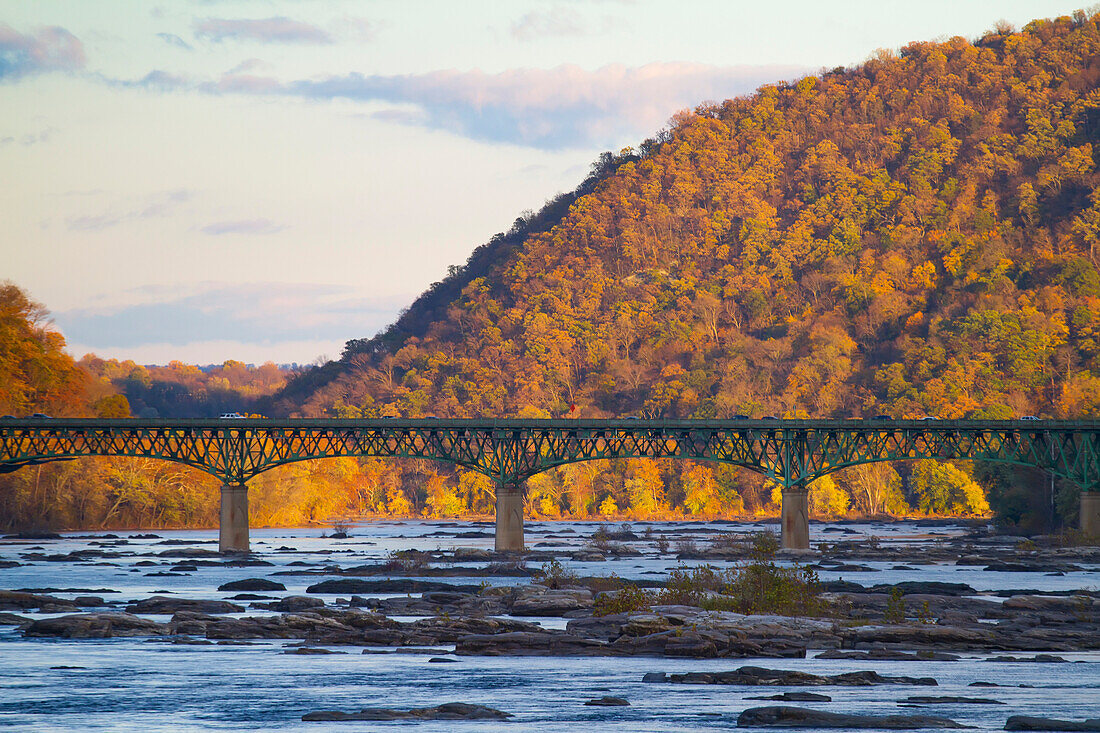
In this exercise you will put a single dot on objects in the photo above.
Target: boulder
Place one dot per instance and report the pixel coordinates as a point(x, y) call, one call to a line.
point(930, 587)
point(760, 676)
point(400, 585)
point(1070, 605)
point(923, 635)
point(95, 626)
point(794, 697)
point(600, 627)
point(535, 600)
point(190, 622)
point(189, 552)
point(608, 702)
point(11, 600)
point(166, 605)
point(948, 700)
point(13, 619)
point(788, 717)
point(291, 604)
point(890, 655)
point(262, 584)
point(472, 554)
point(448, 630)
point(446, 711)
point(529, 643)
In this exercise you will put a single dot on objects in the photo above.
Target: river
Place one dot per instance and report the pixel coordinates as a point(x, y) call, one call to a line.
point(142, 684)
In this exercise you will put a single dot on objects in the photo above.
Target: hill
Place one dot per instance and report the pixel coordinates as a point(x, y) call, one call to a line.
point(914, 236)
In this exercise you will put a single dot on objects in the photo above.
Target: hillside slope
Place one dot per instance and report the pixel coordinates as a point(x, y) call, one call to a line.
point(917, 235)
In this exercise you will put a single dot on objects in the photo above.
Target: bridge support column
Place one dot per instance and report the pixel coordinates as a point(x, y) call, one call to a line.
point(509, 517)
point(233, 529)
point(1090, 513)
point(795, 518)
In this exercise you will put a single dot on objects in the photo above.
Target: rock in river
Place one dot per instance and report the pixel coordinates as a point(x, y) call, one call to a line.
point(292, 604)
point(1026, 722)
point(948, 700)
point(536, 600)
point(166, 605)
point(793, 697)
point(787, 717)
point(95, 626)
point(399, 585)
point(13, 600)
point(252, 584)
point(758, 676)
point(446, 711)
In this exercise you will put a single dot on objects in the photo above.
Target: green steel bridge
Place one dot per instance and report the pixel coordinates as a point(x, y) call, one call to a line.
point(791, 453)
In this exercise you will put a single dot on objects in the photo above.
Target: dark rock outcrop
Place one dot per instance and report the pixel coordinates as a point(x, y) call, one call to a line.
point(11, 600)
point(787, 717)
point(1027, 722)
point(446, 711)
point(760, 676)
point(890, 655)
point(536, 600)
point(794, 697)
point(291, 604)
point(929, 587)
point(948, 700)
point(402, 585)
point(167, 605)
point(95, 626)
point(261, 584)
point(530, 643)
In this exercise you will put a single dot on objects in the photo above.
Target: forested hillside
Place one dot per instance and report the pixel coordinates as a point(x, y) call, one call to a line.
point(917, 236)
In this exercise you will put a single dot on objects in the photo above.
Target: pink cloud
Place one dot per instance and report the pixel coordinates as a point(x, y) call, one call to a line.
point(50, 49)
point(563, 107)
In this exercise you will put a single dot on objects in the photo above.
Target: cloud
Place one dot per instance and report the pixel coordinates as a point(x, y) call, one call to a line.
point(173, 40)
point(551, 109)
point(558, 22)
point(242, 226)
point(50, 49)
point(359, 29)
point(33, 138)
point(546, 108)
point(263, 30)
point(156, 205)
point(253, 313)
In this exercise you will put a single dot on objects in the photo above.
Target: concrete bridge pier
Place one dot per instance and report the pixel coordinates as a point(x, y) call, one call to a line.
point(509, 517)
point(233, 528)
point(795, 518)
point(1089, 518)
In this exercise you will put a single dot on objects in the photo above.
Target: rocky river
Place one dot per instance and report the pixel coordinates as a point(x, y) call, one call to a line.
point(934, 625)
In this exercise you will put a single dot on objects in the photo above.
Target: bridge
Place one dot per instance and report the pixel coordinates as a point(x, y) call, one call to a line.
point(791, 453)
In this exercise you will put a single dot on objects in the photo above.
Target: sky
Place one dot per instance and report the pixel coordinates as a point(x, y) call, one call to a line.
point(203, 180)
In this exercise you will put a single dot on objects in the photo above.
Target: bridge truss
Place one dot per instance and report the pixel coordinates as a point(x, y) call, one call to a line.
point(790, 452)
